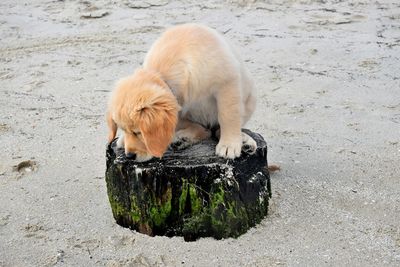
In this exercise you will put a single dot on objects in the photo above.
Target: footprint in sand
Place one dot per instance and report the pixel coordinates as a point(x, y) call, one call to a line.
point(34, 230)
point(4, 219)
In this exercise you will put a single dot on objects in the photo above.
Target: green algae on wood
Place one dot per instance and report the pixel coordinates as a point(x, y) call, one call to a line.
point(191, 192)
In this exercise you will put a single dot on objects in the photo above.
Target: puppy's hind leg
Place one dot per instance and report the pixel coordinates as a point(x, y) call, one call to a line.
point(249, 145)
point(189, 133)
point(249, 107)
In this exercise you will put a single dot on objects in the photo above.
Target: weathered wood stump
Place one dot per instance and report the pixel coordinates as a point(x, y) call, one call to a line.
point(191, 192)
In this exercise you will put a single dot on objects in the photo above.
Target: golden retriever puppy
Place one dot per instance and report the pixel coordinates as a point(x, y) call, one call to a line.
point(192, 79)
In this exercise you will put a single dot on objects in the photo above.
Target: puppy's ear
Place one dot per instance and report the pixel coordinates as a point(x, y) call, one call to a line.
point(157, 123)
point(112, 127)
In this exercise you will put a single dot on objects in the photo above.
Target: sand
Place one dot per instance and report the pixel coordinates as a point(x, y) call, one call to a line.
point(328, 103)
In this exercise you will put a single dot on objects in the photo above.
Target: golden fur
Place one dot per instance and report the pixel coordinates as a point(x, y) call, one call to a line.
point(191, 80)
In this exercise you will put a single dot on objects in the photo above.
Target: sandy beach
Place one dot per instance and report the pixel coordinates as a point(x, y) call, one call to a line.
point(327, 75)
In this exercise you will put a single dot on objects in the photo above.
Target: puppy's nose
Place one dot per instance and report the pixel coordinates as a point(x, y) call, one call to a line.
point(130, 156)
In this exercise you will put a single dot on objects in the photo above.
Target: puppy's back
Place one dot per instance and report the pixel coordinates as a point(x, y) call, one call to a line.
point(191, 56)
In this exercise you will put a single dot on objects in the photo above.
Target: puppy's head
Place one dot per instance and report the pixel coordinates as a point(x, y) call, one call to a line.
point(147, 112)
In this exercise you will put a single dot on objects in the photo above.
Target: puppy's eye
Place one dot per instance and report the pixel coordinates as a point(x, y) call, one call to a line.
point(137, 133)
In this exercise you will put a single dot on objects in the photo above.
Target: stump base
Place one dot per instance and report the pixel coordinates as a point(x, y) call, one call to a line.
point(191, 192)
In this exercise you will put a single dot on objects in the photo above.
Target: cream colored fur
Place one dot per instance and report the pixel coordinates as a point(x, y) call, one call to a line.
point(207, 78)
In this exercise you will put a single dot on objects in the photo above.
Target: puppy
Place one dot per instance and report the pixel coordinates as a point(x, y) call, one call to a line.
point(191, 80)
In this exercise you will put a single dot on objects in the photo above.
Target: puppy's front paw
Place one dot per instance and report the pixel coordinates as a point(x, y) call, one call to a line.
point(249, 146)
point(120, 157)
point(120, 142)
point(228, 150)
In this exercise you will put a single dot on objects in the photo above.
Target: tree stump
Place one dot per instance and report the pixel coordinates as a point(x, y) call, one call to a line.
point(190, 192)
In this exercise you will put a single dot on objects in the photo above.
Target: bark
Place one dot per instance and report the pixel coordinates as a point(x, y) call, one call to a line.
point(191, 192)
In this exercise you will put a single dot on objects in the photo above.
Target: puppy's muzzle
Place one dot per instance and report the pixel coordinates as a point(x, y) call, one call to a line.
point(131, 156)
